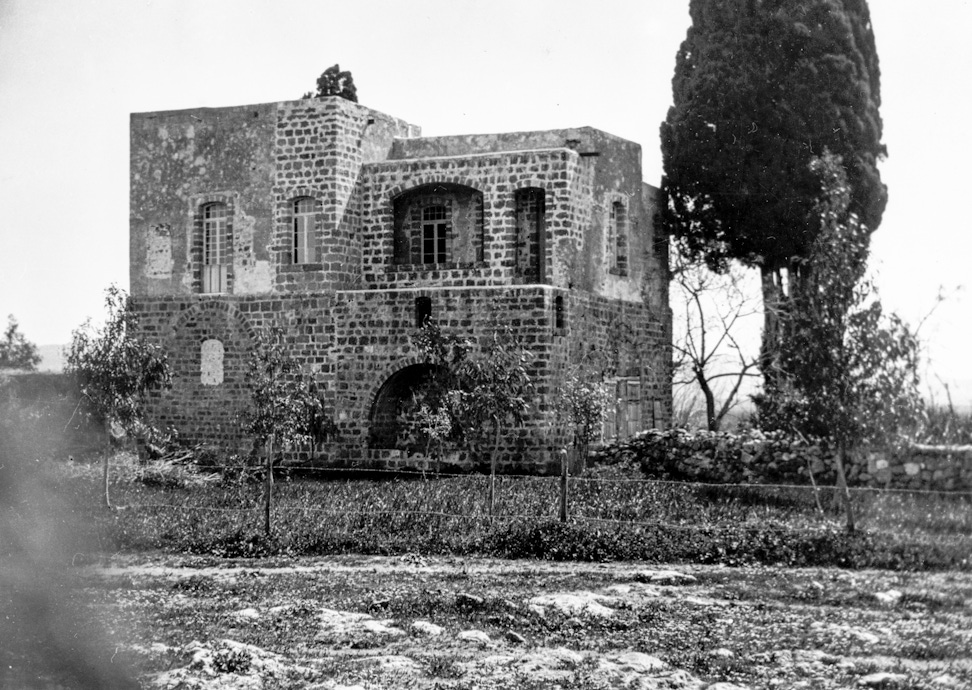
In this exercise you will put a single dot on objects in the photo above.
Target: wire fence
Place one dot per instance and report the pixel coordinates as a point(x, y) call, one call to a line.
point(340, 498)
point(364, 473)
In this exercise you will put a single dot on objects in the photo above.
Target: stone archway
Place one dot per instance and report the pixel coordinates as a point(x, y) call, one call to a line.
point(388, 419)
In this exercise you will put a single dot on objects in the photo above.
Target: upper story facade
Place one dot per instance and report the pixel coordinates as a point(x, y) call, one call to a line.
point(326, 195)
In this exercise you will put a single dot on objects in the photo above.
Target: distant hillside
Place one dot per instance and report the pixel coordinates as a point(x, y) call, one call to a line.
point(52, 357)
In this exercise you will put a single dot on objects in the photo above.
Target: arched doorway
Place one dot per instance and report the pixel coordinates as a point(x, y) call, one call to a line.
point(392, 407)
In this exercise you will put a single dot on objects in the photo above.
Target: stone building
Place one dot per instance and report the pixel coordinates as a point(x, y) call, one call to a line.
point(346, 228)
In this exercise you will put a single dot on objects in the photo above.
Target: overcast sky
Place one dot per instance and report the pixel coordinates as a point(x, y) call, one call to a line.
point(71, 71)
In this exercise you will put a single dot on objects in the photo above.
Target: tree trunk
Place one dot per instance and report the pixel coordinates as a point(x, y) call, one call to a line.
point(564, 474)
point(268, 489)
point(842, 483)
point(106, 500)
point(813, 483)
point(712, 422)
point(773, 305)
point(492, 472)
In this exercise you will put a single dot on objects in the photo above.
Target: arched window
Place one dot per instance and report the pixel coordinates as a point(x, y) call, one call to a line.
point(438, 224)
point(216, 245)
point(305, 217)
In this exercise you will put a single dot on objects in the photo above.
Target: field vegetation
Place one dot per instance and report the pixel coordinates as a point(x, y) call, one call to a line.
point(614, 514)
point(387, 582)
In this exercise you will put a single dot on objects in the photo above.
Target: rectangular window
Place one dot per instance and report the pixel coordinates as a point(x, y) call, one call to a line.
point(435, 233)
point(618, 238)
point(305, 212)
point(423, 310)
point(216, 253)
point(530, 210)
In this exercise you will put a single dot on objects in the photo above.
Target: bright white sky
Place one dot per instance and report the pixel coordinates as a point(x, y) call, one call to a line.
point(71, 71)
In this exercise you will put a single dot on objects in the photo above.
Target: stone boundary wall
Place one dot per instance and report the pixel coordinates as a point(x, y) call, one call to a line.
point(756, 458)
point(920, 466)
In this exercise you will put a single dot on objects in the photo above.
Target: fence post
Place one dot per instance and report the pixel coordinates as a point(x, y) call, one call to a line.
point(564, 473)
point(268, 490)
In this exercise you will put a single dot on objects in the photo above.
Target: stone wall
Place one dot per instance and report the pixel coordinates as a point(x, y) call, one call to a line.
point(497, 177)
point(257, 159)
point(353, 342)
point(181, 161)
point(919, 466)
point(352, 303)
point(752, 457)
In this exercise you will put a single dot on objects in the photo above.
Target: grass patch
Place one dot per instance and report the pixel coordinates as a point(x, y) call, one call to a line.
point(611, 519)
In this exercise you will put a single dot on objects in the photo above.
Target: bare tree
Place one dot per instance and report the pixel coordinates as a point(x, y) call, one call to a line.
point(711, 314)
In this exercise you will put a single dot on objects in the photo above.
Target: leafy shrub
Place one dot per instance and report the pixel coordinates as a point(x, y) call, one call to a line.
point(228, 660)
point(749, 456)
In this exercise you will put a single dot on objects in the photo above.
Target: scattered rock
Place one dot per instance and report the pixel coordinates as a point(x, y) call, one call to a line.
point(225, 664)
point(477, 636)
point(639, 663)
point(538, 611)
point(864, 636)
point(393, 663)
point(427, 628)
point(637, 670)
point(247, 614)
point(382, 628)
point(515, 637)
point(882, 680)
point(577, 603)
point(348, 623)
point(889, 597)
point(548, 664)
point(856, 633)
point(666, 577)
point(946, 681)
point(722, 653)
point(813, 656)
point(726, 686)
point(469, 601)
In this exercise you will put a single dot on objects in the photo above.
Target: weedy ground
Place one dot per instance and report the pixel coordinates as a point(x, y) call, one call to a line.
point(754, 627)
point(178, 587)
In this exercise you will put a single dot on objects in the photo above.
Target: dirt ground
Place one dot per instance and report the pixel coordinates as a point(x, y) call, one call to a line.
point(419, 622)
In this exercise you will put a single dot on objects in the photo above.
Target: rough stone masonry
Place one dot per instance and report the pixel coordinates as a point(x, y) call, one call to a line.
point(346, 228)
